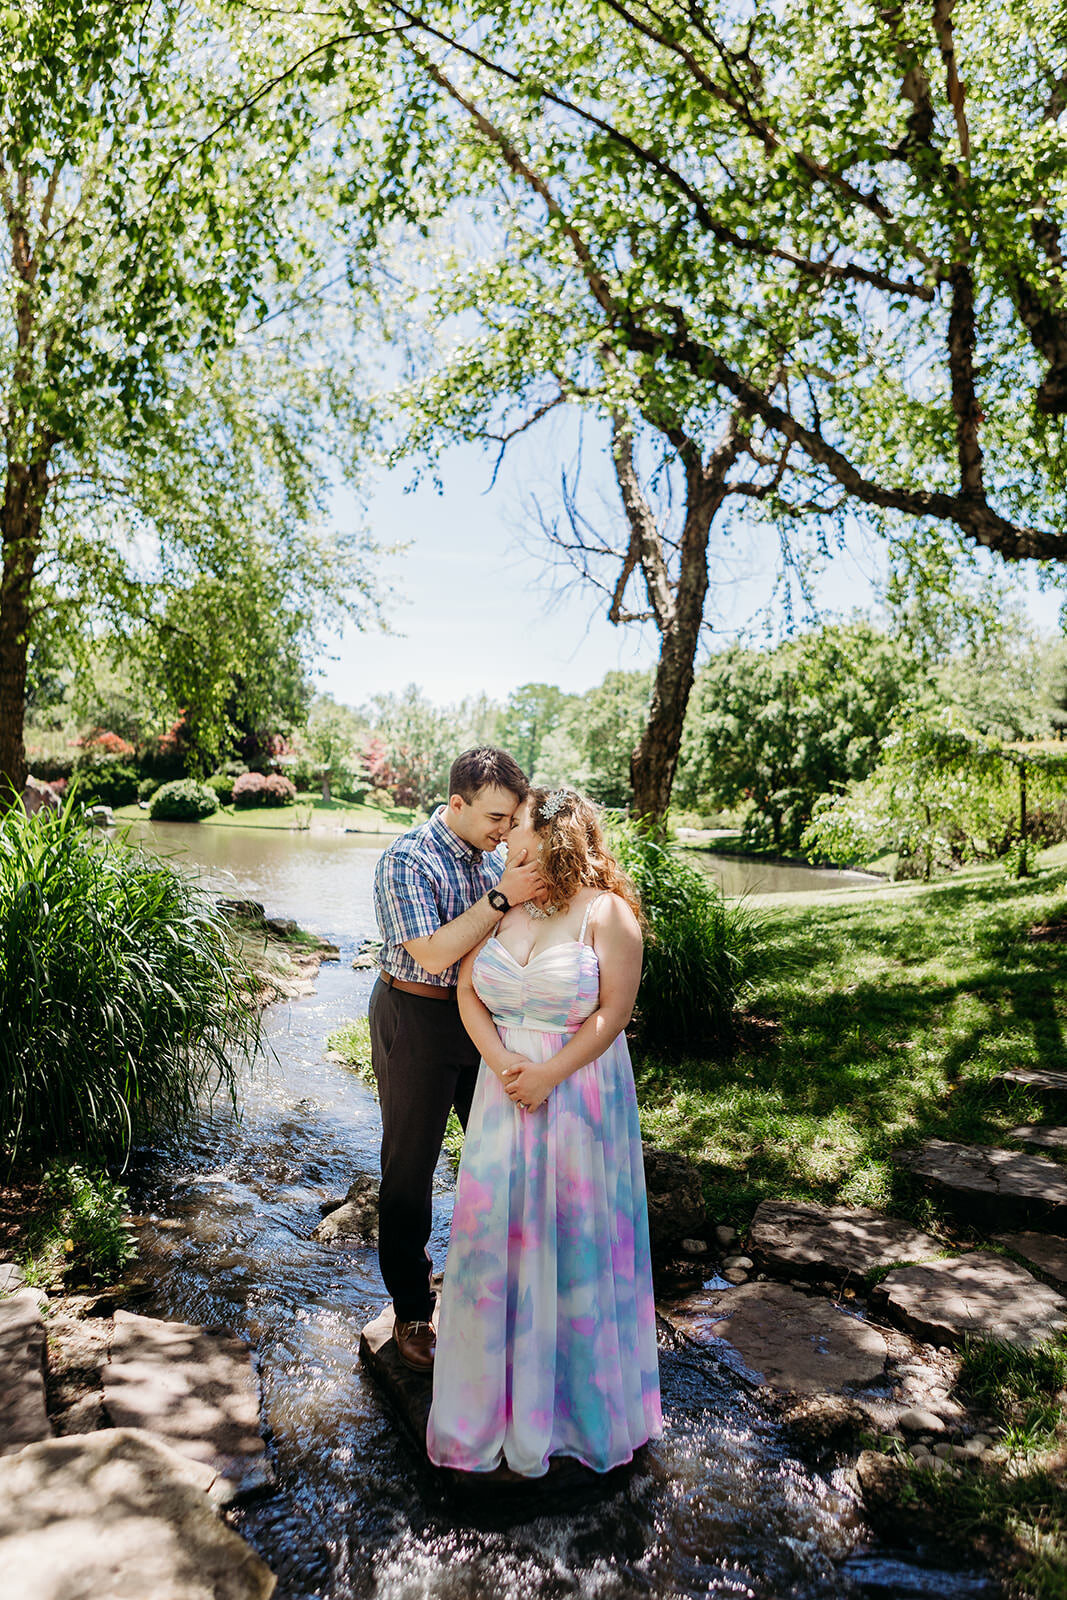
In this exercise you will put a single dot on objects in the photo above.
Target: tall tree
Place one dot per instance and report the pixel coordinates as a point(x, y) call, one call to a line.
point(775, 729)
point(531, 713)
point(816, 257)
point(162, 221)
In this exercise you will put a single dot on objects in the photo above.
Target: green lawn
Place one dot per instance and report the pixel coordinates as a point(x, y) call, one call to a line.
point(364, 818)
point(879, 1018)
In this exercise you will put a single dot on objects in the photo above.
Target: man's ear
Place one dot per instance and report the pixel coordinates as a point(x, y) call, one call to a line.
point(456, 803)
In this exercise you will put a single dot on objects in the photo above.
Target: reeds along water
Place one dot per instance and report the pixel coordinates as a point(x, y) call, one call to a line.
point(120, 996)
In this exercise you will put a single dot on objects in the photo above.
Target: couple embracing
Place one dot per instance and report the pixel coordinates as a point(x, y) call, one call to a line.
point(504, 992)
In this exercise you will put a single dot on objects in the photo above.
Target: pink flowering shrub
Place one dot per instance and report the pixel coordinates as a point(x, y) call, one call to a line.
point(278, 791)
point(249, 790)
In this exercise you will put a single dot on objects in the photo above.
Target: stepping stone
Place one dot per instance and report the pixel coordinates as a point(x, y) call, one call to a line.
point(1044, 1250)
point(982, 1295)
point(1048, 1086)
point(23, 1414)
point(194, 1390)
point(788, 1339)
point(987, 1184)
point(116, 1515)
point(566, 1483)
point(844, 1241)
point(1040, 1136)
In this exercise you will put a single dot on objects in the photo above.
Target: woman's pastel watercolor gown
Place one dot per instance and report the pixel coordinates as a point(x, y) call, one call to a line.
point(547, 1332)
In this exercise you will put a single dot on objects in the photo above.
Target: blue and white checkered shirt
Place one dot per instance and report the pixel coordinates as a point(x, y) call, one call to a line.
point(426, 878)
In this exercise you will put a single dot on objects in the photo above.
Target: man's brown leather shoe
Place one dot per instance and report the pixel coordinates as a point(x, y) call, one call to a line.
point(416, 1345)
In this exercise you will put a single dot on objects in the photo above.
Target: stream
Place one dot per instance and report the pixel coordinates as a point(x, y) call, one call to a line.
point(717, 1507)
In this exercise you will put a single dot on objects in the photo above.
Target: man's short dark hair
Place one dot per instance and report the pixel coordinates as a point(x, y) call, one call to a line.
point(486, 768)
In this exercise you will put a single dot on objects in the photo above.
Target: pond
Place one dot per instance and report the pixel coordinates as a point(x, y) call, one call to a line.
point(718, 1507)
point(326, 880)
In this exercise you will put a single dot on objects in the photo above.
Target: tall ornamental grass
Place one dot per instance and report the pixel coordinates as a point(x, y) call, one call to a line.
point(122, 1000)
point(700, 949)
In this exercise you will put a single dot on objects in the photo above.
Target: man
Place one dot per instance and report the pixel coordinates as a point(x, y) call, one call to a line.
point(438, 891)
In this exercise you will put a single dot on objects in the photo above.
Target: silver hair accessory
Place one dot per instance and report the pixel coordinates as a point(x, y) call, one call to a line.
point(552, 804)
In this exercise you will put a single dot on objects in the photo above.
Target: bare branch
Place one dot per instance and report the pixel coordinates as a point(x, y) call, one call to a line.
point(645, 547)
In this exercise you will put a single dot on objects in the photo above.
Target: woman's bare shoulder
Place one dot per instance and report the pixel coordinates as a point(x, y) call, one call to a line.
point(614, 912)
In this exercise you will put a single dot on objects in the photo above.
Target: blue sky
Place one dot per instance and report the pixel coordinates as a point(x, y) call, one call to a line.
point(474, 611)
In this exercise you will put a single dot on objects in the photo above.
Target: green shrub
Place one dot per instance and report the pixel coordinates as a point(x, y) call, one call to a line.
point(106, 782)
point(184, 800)
point(122, 998)
point(699, 949)
point(147, 788)
point(90, 1216)
point(221, 783)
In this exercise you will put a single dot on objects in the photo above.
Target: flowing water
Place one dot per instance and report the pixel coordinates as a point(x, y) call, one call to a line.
point(718, 1507)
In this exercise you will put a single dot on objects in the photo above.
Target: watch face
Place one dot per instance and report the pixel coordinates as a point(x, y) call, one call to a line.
point(498, 900)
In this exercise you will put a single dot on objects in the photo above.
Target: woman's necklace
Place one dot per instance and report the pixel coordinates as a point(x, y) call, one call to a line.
point(539, 913)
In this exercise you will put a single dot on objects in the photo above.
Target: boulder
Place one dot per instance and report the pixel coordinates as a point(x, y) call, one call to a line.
point(981, 1295)
point(23, 1414)
point(355, 1217)
point(987, 1184)
point(116, 1515)
point(39, 796)
point(193, 1389)
point(847, 1241)
point(788, 1339)
point(676, 1207)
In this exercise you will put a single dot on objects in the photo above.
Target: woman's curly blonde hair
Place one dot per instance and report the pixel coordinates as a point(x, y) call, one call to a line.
point(574, 854)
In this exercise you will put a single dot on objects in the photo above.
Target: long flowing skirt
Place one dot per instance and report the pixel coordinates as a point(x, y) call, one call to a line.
point(547, 1330)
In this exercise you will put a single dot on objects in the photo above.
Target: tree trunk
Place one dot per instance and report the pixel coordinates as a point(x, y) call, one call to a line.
point(653, 763)
point(20, 521)
point(1024, 865)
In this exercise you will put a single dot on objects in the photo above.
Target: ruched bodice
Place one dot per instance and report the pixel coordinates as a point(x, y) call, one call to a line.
point(554, 991)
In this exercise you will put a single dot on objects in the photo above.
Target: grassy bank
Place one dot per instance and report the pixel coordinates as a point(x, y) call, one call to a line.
point(333, 815)
point(880, 1019)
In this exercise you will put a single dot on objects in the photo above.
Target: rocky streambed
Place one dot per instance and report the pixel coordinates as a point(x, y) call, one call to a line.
point(803, 1364)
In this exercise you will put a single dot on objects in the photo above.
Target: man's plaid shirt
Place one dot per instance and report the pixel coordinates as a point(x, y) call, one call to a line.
point(426, 878)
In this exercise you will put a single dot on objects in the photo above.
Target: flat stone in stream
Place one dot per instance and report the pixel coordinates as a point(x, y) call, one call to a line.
point(838, 1241)
point(116, 1515)
point(988, 1184)
point(1044, 1250)
point(977, 1294)
point(23, 1416)
point(195, 1390)
point(788, 1339)
point(410, 1394)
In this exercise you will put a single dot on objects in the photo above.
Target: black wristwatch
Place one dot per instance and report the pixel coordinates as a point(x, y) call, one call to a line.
point(497, 900)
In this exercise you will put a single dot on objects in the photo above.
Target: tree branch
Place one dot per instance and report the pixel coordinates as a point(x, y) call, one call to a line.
point(645, 548)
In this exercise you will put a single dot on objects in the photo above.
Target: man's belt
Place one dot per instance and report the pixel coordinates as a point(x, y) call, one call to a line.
point(426, 991)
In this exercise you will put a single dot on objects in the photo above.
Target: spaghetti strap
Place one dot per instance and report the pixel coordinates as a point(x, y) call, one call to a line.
point(595, 901)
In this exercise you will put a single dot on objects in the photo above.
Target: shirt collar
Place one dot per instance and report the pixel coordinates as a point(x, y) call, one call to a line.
point(443, 835)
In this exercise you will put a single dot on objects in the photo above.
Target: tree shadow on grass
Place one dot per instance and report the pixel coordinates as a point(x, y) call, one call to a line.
point(865, 1070)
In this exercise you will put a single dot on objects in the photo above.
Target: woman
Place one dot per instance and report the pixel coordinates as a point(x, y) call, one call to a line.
point(547, 1336)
